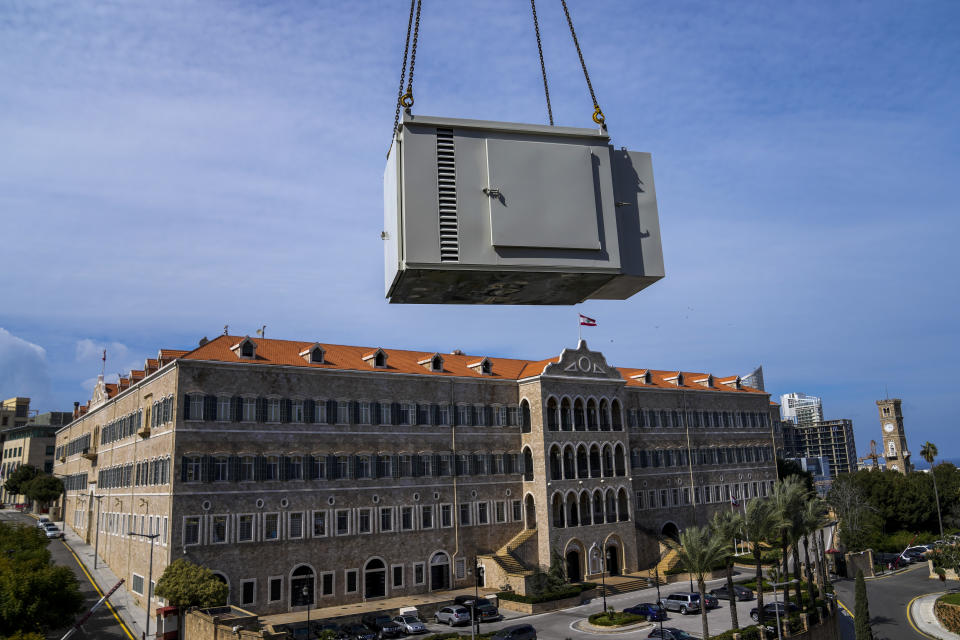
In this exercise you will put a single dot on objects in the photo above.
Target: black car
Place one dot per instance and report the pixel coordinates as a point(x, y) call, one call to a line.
point(516, 632)
point(649, 609)
point(486, 612)
point(770, 610)
point(669, 633)
point(383, 624)
point(739, 593)
point(357, 631)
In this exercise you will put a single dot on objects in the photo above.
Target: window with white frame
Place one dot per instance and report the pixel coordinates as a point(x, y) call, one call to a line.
point(271, 526)
point(350, 580)
point(319, 524)
point(296, 411)
point(273, 410)
point(196, 406)
point(465, 513)
point(500, 511)
point(191, 530)
point(295, 468)
point(246, 468)
point(192, 464)
point(343, 412)
point(419, 574)
point(444, 414)
point(327, 583)
point(517, 509)
point(483, 513)
point(320, 412)
point(406, 518)
point(365, 413)
point(272, 468)
point(446, 515)
point(223, 409)
point(136, 584)
point(220, 464)
point(461, 568)
point(501, 416)
point(218, 529)
point(386, 518)
point(397, 576)
point(464, 414)
point(249, 409)
point(295, 525)
point(248, 592)
point(343, 522)
point(275, 590)
point(426, 516)
point(364, 520)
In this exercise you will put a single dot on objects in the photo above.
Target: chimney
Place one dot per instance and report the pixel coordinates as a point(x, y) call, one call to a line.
point(76, 410)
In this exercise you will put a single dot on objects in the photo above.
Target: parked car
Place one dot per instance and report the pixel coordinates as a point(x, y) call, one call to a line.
point(922, 549)
point(383, 624)
point(739, 593)
point(486, 612)
point(410, 624)
point(516, 632)
point(357, 631)
point(910, 557)
point(53, 531)
point(42, 520)
point(651, 610)
point(452, 614)
point(712, 601)
point(683, 602)
point(669, 633)
point(770, 610)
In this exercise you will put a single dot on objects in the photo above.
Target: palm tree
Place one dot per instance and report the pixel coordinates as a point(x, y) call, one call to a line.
point(760, 524)
point(788, 496)
point(729, 525)
point(928, 452)
point(700, 550)
point(812, 519)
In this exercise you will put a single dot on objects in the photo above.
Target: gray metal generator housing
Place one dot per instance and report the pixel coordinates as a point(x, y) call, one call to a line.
point(480, 212)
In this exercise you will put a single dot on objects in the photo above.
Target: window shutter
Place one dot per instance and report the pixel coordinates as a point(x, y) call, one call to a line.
point(186, 406)
point(206, 469)
point(395, 413)
point(456, 468)
point(331, 467)
point(395, 467)
point(521, 463)
point(352, 467)
point(491, 467)
point(284, 470)
point(259, 468)
point(374, 466)
point(375, 413)
point(209, 408)
point(233, 468)
point(309, 411)
point(436, 464)
point(237, 408)
point(331, 412)
point(261, 409)
point(183, 468)
point(308, 468)
point(285, 409)
point(510, 463)
point(435, 414)
point(416, 466)
point(354, 412)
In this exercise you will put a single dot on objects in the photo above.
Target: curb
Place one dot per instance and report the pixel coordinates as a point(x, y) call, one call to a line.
point(96, 587)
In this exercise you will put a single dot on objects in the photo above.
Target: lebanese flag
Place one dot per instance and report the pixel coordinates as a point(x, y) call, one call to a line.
point(587, 322)
point(733, 501)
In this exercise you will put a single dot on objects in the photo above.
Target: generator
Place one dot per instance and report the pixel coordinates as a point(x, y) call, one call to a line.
point(479, 212)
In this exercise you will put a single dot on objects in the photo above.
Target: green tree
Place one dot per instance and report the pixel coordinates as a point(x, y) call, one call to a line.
point(861, 610)
point(700, 550)
point(929, 452)
point(788, 498)
point(35, 594)
point(811, 521)
point(43, 489)
point(22, 475)
point(788, 468)
point(760, 525)
point(728, 525)
point(185, 584)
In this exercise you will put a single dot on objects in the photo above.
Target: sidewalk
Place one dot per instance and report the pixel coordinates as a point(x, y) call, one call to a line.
point(122, 600)
point(921, 612)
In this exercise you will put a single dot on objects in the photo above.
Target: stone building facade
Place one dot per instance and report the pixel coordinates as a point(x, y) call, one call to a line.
point(312, 473)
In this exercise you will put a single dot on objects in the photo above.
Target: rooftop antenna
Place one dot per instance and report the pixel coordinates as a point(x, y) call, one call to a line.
point(262, 331)
point(886, 392)
point(103, 365)
point(226, 329)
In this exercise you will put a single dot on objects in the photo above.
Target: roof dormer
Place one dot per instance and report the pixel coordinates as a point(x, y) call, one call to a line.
point(484, 367)
point(643, 378)
point(434, 363)
point(677, 378)
point(735, 382)
point(314, 354)
point(246, 349)
point(377, 359)
point(706, 382)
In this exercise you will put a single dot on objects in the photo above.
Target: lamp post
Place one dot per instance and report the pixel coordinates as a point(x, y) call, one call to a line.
point(776, 604)
point(474, 620)
point(96, 540)
point(599, 556)
point(153, 537)
point(656, 574)
point(306, 597)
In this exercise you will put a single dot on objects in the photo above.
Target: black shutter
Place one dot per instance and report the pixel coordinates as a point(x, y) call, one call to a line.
point(435, 414)
point(186, 406)
point(395, 467)
point(210, 408)
point(308, 411)
point(233, 468)
point(458, 469)
point(285, 410)
point(436, 465)
point(237, 408)
point(331, 412)
point(375, 413)
point(375, 466)
point(261, 410)
point(206, 469)
point(259, 468)
point(394, 413)
point(183, 468)
point(491, 467)
point(308, 468)
point(284, 470)
point(416, 466)
point(331, 467)
point(352, 467)
point(354, 412)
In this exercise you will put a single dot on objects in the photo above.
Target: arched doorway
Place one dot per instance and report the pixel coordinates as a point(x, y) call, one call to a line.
point(671, 531)
point(531, 512)
point(439, 571)
point(574, 573)
point(481, 576)
point(375, 579)
point(612, 561)
point(301, 586)
point(222, 578)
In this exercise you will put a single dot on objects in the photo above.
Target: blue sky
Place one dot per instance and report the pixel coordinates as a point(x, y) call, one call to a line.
point(168, 168)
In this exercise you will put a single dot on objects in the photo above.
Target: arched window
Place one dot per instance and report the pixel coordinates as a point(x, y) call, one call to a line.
point(527, 464)
point(623, 507)
point(607, 461)
point(611, 500)
point(569, 464)
point(620, 462)
point(604, 415)
point(525, 416)
point(552, 414)
point(374, 579)
point(617, 415)
point(556, 472)
point(573, 518)
point(565, 415)
point(592, 424)
point(556, 507)
point(584, 508)
point(583, 468)
point(597, 507)
point(439, 571)
point(595, 470)
point(579, 416)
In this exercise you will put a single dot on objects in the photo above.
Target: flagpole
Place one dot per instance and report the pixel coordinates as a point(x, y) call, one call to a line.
point(579, 330)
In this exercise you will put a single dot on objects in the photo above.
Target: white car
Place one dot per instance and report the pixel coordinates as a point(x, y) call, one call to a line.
point(42, 520)
point(53, 531)
point(410, 624)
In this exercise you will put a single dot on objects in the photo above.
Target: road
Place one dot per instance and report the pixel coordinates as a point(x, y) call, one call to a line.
point(101, 624)
point(888, 598)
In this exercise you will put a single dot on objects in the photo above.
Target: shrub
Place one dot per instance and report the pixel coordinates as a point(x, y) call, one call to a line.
point(747, 633)
point(568, 591)
point(615, 619)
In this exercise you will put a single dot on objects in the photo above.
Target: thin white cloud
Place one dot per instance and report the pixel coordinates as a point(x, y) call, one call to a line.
point(24, 370)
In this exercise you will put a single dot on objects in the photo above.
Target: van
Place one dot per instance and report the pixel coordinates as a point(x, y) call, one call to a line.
point(683, 602)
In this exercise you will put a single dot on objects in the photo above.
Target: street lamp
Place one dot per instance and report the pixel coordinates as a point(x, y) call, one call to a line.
point(656, 577)
point(96, 540)
point(776, 604)
point(306, 597)
point(153, 537)
point(599, 556)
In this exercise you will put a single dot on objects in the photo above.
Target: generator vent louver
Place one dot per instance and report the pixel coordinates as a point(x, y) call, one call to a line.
point(447, 187)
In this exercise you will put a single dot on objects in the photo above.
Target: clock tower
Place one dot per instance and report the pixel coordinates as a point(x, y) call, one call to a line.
point(894, 439)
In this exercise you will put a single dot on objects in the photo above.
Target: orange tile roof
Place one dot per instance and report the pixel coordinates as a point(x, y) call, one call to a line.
point(341, 357)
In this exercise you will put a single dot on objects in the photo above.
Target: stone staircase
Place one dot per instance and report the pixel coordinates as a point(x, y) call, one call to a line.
point(669, 561)
point(504, 556)
point(631, 584)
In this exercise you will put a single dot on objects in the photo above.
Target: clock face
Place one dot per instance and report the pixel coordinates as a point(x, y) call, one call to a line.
point(888, 427)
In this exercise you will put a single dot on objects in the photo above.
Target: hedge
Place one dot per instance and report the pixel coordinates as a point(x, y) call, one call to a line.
point(568, 591)
point(747, 633)
point(615, 619)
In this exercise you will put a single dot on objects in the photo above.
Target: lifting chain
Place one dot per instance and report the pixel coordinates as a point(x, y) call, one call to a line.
point(543, 68)
point(598, 116)
point(405, 100)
